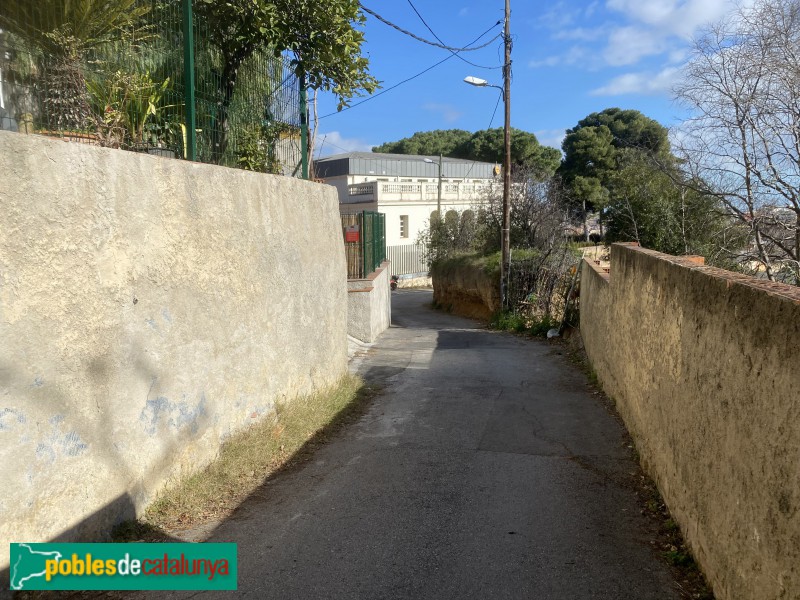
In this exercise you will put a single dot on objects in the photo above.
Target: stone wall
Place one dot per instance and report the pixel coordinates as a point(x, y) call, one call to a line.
point(704, 366)
point(149, 308)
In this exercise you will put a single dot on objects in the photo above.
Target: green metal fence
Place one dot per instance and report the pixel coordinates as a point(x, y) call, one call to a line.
point(157, 76)
point(365, 242)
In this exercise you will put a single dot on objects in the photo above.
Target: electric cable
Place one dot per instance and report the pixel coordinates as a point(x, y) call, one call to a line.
point(324, 142)
point(477, 66)
point(494, 112)
point(389, 89)
point(430, 43)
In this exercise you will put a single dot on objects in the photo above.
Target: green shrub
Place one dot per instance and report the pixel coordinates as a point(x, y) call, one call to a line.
point(519, 323)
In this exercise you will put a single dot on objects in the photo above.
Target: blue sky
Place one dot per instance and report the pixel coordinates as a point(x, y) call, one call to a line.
point(570, 58)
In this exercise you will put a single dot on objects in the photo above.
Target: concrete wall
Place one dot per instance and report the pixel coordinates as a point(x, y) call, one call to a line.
point(704, 366)
point(149, 308)
point(369, 305)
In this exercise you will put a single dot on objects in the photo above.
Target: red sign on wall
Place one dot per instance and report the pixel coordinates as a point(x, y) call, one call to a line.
point(351, 234)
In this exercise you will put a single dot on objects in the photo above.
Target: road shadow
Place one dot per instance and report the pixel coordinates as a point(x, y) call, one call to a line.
point(106, 519)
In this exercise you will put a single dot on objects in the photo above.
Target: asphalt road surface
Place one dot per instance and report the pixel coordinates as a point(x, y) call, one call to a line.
point(486, 469)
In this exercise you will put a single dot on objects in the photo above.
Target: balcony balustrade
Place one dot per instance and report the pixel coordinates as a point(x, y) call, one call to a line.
point(383, 191)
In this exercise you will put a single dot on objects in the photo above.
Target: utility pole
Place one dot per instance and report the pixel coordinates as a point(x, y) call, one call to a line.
point(439, 196)
point(506, 232)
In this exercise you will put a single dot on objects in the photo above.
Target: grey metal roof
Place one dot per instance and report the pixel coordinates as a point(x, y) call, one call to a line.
point(401, 165)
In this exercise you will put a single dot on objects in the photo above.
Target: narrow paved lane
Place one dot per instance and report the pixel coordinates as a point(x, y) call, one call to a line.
point(485, 470)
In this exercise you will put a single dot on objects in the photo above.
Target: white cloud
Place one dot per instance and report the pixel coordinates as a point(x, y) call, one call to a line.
point(583, 34)
point(463, 12)
point(551, 137)
point(550, 61)
point(624, 32)
point(639, 83)
point(573, 56)
point(449, 113)
point(672, 17)
point(678, 55)
point(645, 11)
point(627, 45)
point(559, 16)
point(333, 142)
point(658, 27)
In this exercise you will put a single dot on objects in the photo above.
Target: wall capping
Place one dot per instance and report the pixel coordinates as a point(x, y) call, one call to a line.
point(772, 288)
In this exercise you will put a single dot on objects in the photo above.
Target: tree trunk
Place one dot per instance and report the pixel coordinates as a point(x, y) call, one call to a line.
point(585, 222)
point(764, 255)
point(63, 94)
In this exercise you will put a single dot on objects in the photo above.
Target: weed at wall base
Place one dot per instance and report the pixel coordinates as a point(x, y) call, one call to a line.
point(511, 321)
point(249, 457)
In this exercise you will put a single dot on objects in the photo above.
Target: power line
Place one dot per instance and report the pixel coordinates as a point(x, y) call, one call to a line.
point(324, 141)
point(428, 27)
point(389, 89)
point(474, 162)
point(430, 43)
point(494, 112)
point(441, 41)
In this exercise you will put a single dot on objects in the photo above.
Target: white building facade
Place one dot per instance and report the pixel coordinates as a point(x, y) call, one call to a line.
point(406, 187)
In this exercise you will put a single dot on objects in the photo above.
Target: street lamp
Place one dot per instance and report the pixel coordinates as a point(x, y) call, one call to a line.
point(505, 237)
point(506, 91)
point(478, 82)
point(439, 196)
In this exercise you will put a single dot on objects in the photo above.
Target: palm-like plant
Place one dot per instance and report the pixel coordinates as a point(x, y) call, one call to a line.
point(64, 32)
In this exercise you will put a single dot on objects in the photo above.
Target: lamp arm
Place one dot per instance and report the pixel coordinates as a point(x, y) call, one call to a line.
point(502, 91)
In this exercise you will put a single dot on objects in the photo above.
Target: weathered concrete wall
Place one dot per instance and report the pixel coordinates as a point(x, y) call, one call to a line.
point(148, 309)
point(369, 305)
point(466, 290)
point(704, 366)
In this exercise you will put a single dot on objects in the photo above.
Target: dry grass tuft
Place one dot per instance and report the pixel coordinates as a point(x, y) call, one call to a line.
point(251, 456)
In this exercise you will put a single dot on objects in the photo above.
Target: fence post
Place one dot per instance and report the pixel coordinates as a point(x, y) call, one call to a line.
point(383, 235)
point(362, 226)
point(188, 82)
point(304, 125)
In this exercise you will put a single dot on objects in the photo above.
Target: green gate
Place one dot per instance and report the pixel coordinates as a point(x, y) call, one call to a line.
point(365, 242)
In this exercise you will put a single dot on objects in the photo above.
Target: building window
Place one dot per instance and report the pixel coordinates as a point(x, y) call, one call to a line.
point(403, 226)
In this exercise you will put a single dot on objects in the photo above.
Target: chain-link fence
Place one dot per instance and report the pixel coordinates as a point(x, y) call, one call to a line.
point(133, 74)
